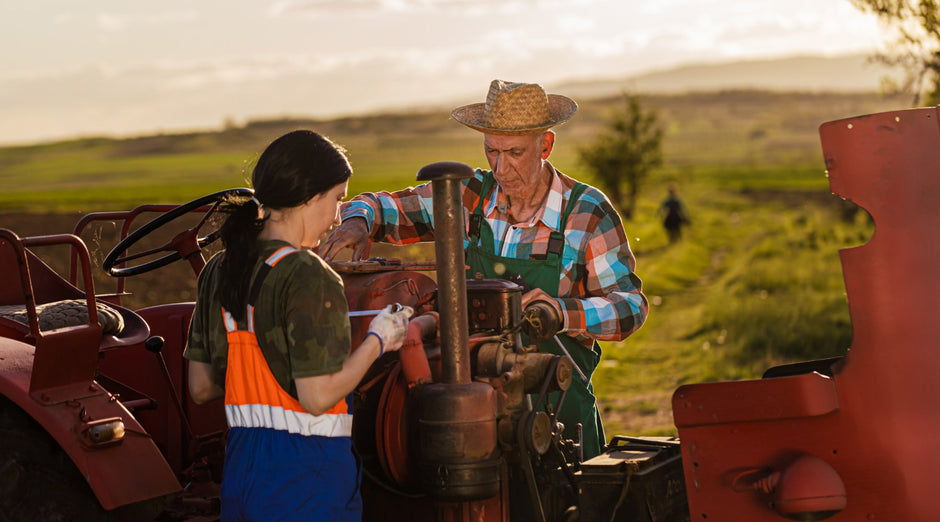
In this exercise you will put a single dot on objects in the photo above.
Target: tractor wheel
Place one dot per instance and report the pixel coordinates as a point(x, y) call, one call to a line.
point(38, 480)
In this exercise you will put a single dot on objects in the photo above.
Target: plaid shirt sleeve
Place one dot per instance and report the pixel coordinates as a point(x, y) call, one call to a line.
point(401, 217)
point(405, 216)
point(600, 295)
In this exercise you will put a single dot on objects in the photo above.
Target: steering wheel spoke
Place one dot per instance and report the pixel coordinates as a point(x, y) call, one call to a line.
point(185, 245)
point(140, 255)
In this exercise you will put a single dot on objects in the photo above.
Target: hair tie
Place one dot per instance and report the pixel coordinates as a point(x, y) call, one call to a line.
point(258, 221)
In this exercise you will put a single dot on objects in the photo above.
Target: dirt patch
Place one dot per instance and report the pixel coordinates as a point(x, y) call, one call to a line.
point(38, 224)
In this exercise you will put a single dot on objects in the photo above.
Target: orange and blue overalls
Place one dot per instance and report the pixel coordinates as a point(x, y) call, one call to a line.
point(282, 463)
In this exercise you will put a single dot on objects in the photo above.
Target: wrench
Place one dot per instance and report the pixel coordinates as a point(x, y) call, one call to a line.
point(365, 313)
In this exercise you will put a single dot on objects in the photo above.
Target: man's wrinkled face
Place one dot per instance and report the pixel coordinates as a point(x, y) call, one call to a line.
point(516, 161)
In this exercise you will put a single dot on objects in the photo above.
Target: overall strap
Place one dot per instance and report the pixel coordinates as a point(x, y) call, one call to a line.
point(263, 272)
point(269, 263)
point(476, 218)
point(556, 240)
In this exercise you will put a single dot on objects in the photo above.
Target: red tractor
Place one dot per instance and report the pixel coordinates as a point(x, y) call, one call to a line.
point(96, 424)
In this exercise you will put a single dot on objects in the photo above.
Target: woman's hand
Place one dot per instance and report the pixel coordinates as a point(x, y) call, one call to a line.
point(391, 326)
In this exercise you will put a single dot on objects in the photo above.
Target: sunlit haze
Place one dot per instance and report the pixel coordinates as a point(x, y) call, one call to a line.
point(120, 67)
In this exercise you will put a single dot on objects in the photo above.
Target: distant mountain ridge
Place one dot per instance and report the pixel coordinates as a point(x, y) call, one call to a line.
point(147, 101)
point(851, 73)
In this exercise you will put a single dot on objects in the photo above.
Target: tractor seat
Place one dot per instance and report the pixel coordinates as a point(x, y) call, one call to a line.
point(70, 312)
point(119, 326)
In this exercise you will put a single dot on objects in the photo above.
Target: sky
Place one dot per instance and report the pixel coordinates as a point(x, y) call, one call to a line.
point(127, 67)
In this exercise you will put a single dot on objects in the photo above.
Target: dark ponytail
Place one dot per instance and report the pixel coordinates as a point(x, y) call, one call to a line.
point(292, 170)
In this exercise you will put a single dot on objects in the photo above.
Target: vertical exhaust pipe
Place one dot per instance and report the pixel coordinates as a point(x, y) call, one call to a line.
point(451, 272)
point(459, 457)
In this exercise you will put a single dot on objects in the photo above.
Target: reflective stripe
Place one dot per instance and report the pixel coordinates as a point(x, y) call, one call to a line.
point(301, 423)
point(229, 321)
point(279, 254)
point(251, 319)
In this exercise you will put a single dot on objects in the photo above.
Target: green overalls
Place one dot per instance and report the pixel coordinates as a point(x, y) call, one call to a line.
point(580, 404)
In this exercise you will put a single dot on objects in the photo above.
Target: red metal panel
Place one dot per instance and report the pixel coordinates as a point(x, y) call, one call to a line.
point(130, 471)
point(805, 395)
point(889, 164)
point(881, 440)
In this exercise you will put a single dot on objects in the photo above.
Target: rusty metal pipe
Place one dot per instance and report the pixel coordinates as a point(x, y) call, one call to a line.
point(449, 229)
point(458, 436)
point(414, 362)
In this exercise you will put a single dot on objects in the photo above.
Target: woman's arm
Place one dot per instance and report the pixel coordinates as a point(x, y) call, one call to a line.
point(319, 393)
point(202, 388)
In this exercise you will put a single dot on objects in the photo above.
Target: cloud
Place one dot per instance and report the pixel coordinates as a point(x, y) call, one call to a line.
point(110, 22)
point(172, 17)
point(113, 22)
point(317, 8)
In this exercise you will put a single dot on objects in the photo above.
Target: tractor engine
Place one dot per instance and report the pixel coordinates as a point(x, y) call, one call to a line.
point(432, 443)
point(459, 425)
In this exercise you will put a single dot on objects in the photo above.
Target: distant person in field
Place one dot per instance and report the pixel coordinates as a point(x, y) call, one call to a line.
point(270, 334)
point(673, 214)
point(529, 222)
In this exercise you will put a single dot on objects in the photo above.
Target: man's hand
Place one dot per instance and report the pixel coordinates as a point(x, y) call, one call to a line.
point(541, 315)
point(537, 294)
point(352, 233)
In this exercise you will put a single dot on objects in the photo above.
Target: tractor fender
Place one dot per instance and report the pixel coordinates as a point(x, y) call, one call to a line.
point(122, 471)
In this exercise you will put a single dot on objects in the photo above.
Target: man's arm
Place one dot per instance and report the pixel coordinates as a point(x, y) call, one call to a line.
point(402, 217)
point(605, 302)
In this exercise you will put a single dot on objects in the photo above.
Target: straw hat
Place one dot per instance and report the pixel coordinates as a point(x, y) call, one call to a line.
point(514, 108)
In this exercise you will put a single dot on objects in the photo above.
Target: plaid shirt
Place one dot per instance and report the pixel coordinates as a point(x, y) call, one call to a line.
point(599, 294)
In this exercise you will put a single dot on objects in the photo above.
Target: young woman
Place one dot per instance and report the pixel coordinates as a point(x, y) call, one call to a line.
point(270, 333)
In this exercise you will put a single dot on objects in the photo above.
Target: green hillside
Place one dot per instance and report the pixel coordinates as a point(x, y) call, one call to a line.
point(755, 282)
point(736, 128)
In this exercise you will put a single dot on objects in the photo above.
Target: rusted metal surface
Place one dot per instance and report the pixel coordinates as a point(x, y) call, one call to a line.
point(459, 451)
point(871, 429)
point(372, 265)
point(451, 272)
point(371, 290)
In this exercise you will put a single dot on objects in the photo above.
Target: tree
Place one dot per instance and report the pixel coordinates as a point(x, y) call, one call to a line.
point(916, 47)
point(622, 158)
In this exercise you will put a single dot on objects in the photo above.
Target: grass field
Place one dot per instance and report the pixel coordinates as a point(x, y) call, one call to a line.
point(755, 281)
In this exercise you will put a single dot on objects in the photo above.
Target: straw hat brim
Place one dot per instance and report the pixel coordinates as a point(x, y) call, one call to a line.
point(560, 109)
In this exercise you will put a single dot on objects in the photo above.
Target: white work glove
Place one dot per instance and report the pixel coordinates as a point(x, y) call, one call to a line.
point(391, 327)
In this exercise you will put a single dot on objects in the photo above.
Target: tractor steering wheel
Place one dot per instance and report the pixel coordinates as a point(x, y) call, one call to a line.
point(185, 245)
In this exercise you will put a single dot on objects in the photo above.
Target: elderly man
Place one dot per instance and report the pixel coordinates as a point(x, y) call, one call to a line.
point(529, 222)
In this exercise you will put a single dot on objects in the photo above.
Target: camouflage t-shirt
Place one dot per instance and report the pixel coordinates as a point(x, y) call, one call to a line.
point(301, 318)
